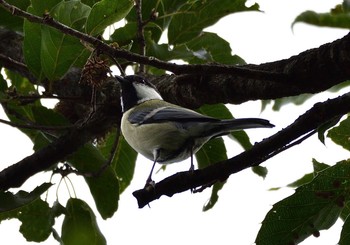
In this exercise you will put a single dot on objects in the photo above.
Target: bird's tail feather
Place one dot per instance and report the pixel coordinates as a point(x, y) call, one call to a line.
point(226, 126)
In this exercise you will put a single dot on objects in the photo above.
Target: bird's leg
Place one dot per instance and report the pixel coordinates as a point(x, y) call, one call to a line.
point(192, 165)
point(149, 181)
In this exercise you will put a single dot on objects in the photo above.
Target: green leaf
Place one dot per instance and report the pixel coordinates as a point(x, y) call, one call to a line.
point(193, 17)
point(21, 84)
point(296, 100)
point(32, 36)
point(105, 187)
point(209, 47)
point(124, 159)
point(37, 221)
point(10, 201)
point(302, 181)
point(318, 167)
point(313, 207)
point(32, 46)
point(346, 6)
point(338, 20)
point(34, 213)
point(321, 130)
point(59, 51)
point(214, 197)
point(212, 152)
point(42, 7)
point(10, 21)
point(80, 225)
point(260, 171)
point(340, 135)
point(105, 13)
point(215, 150)
point(345, 233)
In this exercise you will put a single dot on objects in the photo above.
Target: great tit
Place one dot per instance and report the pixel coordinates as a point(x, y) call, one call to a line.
point(167, 133)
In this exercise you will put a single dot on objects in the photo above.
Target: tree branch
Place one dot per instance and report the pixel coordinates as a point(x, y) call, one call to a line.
point(311, 71)
point(16, 174)
point(308, 122)
point(140, 59)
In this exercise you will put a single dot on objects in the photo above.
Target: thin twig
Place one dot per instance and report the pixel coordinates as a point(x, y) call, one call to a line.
point(140, 59)
point(140, 32)
point(36, 127)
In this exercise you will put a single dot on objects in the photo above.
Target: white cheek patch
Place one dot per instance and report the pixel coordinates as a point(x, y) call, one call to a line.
point(145, 93)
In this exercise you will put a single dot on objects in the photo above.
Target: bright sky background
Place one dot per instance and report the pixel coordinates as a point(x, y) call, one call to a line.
point(245, 199)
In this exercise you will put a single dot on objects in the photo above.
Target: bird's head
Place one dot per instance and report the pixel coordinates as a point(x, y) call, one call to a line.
point(136, 90)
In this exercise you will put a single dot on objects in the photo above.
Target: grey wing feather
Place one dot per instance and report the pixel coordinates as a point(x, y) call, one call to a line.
point(165, 114)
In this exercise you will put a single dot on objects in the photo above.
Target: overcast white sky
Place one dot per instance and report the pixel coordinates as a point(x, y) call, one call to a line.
point(245, 200)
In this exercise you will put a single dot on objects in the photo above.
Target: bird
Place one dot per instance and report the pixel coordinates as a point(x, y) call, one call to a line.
point(167, 133)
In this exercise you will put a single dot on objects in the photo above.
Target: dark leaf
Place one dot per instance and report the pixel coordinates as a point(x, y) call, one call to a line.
point(339, 20)
point(124, 159)
point(315, 206)
point(80, 225)
point(104, 187)
point(345, 233)
point(35, 214)
point(340, 135)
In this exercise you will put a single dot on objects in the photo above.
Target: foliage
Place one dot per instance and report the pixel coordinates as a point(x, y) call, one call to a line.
point(320, 199)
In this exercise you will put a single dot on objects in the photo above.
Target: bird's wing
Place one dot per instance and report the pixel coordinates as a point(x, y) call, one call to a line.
point(166, 114)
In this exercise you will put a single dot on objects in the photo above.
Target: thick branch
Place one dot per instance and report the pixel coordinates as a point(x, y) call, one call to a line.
point(16, 174)
point(311, 120)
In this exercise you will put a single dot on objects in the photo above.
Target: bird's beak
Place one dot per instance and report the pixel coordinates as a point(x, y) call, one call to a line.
point(121, 79)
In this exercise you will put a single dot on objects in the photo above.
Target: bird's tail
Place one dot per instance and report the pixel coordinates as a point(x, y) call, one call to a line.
point(245, 123)
point(226, 126)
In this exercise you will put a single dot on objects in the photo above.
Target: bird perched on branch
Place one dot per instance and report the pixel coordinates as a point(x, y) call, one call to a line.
point(168, 133)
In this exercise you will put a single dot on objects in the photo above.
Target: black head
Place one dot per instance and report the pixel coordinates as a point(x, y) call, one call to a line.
point(135, 90)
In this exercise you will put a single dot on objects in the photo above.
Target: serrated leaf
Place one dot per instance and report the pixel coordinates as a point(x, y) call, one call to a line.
point(104, 187)
point(58, 50)
point(105, 13)
point(193, 17)
point(339, 20)
point(340, 135)
point(124, 159)
point(313, 207)
point(80, 225)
